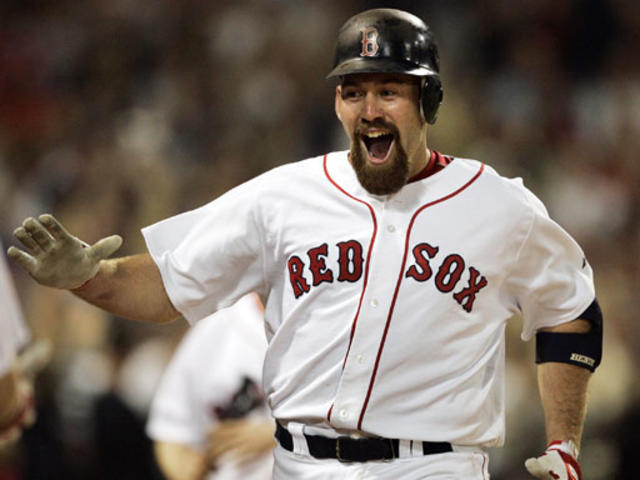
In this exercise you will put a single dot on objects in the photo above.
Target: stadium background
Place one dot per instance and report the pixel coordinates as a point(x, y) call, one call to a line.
point(117, 113)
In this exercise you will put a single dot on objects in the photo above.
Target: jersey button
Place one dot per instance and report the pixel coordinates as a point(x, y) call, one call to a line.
point(360, 358)
point(344, 413)
point(391, 228)
point(374, 303)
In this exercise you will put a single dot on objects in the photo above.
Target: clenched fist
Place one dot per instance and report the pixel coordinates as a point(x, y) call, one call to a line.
point(54, 257)
point(558, 462)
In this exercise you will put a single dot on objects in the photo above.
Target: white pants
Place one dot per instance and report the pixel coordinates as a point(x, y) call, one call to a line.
point(467, 465)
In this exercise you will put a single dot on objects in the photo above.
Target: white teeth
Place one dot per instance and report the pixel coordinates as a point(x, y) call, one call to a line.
point(376, 134)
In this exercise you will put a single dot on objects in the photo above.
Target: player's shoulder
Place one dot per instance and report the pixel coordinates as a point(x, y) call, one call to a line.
point(277, 182)
point(308, 167)
point(503, 188)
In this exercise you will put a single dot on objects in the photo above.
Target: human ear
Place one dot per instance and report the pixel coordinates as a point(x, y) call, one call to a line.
point(337, 101)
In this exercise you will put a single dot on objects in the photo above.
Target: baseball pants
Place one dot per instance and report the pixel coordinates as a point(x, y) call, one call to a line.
point(471, 464)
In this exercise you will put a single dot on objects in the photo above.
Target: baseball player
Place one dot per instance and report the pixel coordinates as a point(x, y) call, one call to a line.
point(389, 273)
point(16, 405)
point(209, 412)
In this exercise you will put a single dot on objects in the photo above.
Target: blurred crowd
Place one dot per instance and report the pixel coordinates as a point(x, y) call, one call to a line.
point(115, 114)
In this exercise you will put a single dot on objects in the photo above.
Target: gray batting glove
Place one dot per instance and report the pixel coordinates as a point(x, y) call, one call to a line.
point(54, 257)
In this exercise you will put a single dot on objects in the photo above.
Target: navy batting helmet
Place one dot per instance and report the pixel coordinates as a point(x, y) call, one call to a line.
point(386, 40)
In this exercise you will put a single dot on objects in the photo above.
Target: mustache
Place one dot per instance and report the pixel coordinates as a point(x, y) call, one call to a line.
point(365, 125)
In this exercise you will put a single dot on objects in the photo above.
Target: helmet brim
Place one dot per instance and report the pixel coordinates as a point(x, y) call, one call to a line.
point(379, 65)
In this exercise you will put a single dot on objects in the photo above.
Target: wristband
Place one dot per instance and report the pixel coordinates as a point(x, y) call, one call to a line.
point(566, 446)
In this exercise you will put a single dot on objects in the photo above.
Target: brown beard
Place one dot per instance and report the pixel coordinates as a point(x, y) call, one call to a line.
point(380, 179)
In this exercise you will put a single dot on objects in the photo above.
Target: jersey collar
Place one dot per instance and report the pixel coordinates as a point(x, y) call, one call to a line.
point(439, 178)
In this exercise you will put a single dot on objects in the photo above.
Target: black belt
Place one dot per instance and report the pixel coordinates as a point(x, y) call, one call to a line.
point(347, 449)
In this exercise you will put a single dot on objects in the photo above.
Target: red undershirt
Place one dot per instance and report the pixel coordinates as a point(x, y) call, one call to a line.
point(436, 162)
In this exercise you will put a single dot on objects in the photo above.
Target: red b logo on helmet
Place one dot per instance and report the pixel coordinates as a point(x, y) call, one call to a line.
point(369, 42)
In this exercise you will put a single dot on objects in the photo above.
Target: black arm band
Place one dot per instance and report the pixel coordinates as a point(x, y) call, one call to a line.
point(580, 349)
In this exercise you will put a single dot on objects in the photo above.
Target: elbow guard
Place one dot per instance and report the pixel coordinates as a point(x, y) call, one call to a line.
point(580, 349)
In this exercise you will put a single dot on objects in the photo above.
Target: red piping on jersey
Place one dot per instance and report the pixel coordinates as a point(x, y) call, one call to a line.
point(366, 268)
point(395, 293)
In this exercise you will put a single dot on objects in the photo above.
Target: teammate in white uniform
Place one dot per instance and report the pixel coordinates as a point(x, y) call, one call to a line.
point(15, 398)
point(389, 273)
point(213, 384)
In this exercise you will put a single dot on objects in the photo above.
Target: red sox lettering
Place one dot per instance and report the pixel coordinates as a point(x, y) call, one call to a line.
point(350, 263)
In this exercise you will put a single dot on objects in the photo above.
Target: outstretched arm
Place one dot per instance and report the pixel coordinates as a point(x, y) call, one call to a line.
point(130, 287)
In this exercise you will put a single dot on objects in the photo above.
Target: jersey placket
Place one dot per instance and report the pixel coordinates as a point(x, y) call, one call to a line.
point(357, 376)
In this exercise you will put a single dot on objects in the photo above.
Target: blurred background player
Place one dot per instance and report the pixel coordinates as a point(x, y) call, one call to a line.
point(209, 418)
point(16, 402)
point(19, 362)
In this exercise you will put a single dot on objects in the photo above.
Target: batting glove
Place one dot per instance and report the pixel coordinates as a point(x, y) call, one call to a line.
point(54, 257)
point(558, 462)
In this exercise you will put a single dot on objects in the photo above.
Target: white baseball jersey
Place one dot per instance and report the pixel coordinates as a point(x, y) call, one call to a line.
point(218, 359)
point(13, 331)
point(385, 314)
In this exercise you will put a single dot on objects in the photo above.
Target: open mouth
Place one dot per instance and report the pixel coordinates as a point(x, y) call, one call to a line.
point(378, 145)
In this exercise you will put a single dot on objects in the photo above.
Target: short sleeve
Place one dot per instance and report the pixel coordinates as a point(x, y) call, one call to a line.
point(13, 331)
point(552, 282)
point(211, 256)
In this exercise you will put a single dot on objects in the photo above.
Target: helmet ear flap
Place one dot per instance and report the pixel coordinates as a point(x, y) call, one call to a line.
point(431, 97)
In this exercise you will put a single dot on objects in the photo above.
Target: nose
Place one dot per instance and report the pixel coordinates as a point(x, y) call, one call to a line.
point(371, 109)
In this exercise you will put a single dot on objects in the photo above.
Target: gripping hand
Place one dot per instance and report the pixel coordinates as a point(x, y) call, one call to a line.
point(558, 462)
point(17, 384)
point(54, 257)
